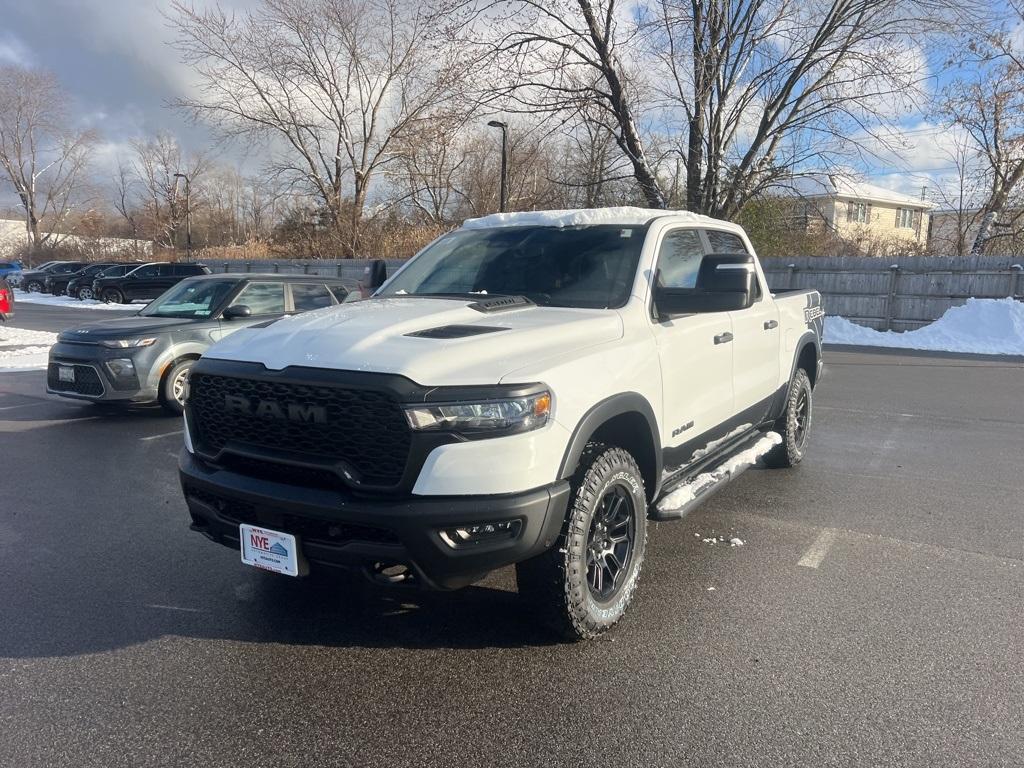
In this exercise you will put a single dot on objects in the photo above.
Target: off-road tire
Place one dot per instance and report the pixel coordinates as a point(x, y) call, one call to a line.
point(169, 394)
point(113, 296)
point(795, 423)
point(556, 583)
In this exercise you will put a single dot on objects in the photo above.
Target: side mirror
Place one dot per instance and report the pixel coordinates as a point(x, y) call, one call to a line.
point(725, 283)
point(374, 276)
point(237, 312)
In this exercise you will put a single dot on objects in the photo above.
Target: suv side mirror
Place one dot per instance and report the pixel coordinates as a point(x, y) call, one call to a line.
point(237, 312)
point(375, 275)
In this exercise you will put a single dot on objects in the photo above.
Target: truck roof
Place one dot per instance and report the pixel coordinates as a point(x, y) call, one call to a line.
point(615, 216)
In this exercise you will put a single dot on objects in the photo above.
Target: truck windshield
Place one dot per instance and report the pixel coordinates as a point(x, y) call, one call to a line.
point(592, 266)
point(194, 298)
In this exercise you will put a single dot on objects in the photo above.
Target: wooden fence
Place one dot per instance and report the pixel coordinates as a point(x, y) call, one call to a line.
point(900, 294)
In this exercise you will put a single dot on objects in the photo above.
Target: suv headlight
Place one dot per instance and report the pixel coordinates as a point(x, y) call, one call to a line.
point(518, 414)
point(127, 343)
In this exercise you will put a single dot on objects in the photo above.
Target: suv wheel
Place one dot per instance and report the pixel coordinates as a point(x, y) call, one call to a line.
point(174, 387)
point(113, 296)
point(583, 585)
point(34, 286)
point(794, 425)
point(83, 294)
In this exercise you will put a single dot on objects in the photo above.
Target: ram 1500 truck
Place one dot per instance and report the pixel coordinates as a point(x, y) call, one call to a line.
point(525, 391)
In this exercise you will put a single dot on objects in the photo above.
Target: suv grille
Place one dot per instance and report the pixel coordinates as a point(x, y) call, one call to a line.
point(87, 381)
point(366, 429)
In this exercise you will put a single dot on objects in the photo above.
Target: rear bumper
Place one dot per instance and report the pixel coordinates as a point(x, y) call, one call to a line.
point(335, 529)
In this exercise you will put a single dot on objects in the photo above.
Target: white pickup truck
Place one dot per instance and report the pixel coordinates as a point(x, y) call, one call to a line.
point(529, 389)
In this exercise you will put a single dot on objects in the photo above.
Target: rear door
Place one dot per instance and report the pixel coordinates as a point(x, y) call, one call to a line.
point(141, 283)
point(695, 355)
point(755, 346)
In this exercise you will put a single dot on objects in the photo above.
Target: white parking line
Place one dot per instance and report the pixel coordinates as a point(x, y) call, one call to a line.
point(157, 437)
point(183, 609)
point(816, 552)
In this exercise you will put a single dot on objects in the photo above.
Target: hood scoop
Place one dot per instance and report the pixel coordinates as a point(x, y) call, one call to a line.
point(455, 331)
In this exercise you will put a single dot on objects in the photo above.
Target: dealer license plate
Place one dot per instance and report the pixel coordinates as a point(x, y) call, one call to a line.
point(269, 550)
point(66, 373)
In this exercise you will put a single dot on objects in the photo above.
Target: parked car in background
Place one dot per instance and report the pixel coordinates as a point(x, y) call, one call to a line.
point(11, 272)
point(87, 288)
point(58, 284)
point(145, 282)
point(34, 280)
point(147, 357)
point(6, 300)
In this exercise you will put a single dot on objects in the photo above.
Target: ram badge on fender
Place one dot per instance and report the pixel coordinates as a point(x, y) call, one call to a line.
point(524, 391)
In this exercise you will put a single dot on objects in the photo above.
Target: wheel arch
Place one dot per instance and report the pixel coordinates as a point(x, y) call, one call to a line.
point(625, 420)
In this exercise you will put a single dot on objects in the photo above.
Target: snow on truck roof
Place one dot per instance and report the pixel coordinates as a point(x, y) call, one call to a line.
point(623, 215)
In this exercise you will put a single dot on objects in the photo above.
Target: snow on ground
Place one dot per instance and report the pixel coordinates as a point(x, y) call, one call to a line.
point(686, 493)
point(21, 349)
point(982, 326)
point(66, 301)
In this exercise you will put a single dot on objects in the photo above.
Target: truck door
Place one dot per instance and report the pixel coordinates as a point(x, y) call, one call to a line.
point(695, 355)
point(756, 340)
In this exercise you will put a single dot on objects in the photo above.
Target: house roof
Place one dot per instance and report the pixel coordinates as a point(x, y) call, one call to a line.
point(847, 188)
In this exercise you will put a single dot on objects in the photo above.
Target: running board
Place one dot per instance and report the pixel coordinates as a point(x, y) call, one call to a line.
point(697, 486)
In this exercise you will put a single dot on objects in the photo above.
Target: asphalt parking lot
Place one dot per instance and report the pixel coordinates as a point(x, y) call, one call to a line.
point(873, 616)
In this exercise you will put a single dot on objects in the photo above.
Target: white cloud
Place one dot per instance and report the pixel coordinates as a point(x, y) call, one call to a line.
point(13, 51)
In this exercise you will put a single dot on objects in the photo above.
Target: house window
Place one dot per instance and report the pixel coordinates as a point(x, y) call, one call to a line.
point(859, 213)
point(904, 218)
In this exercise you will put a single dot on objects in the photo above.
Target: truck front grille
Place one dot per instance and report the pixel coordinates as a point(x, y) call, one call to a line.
point(363, 429)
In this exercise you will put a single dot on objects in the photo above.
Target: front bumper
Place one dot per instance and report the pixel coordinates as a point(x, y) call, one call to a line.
point(94, 380)
point(336, 529)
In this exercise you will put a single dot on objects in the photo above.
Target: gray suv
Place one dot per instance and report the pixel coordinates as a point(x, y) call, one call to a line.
point(146, 357)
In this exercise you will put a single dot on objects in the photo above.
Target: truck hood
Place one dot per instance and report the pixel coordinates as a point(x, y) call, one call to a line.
point(374, 335)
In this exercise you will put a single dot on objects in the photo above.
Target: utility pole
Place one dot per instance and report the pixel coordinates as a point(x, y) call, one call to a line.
point(188, 214)
point(504, 162)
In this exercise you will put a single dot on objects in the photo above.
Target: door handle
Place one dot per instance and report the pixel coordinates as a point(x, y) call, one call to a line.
point(723, 338)
point(769, 325)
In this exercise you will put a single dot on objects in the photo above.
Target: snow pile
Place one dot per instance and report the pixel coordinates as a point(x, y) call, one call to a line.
point(25, 297)
point(623, 215)
point(22, 349)
point(982, 326)
point(687, 492)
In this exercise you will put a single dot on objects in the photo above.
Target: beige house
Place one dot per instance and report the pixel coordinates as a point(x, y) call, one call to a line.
point(866, 215)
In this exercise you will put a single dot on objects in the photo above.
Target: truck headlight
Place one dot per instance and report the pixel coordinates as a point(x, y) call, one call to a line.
point(127, 343)
point(519, 414)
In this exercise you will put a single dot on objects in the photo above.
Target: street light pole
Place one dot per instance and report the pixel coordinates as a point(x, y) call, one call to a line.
point(504, 162)
point(188, 215)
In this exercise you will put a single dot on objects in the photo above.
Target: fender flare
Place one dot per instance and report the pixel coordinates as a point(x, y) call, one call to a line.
point(807, 339)
point(616, 405)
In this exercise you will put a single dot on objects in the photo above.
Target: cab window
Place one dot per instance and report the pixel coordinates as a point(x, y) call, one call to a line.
point(679, 259)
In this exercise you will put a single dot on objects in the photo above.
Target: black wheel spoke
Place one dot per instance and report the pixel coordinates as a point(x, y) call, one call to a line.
point(610, 542)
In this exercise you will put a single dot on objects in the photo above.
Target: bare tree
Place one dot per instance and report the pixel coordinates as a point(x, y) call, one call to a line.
point(157, 163)
point(988, 104)
point(334, 83)
point(743, 91)
point(41, 155)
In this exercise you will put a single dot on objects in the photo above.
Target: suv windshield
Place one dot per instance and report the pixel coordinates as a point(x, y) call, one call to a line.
point(591, 266)
point(190, 299)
